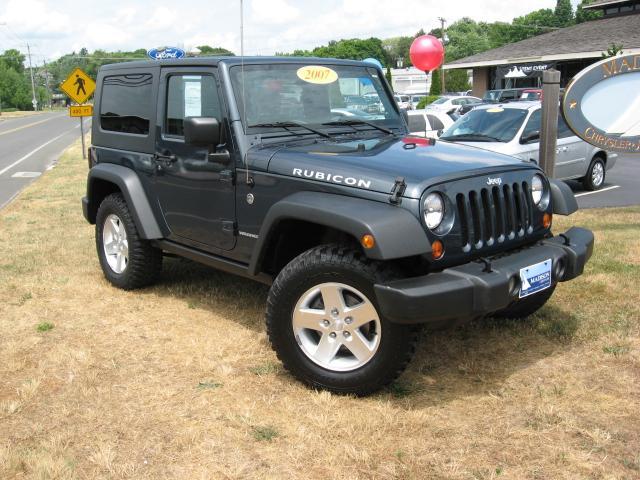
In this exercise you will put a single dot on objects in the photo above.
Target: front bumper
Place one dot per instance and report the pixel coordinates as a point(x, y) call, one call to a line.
point(469, 291)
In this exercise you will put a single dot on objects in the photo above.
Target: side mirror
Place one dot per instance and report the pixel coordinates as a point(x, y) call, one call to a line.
point(530, 137)
point(201, 131)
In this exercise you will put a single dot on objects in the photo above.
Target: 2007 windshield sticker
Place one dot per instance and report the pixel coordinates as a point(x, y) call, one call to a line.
point(317, 74)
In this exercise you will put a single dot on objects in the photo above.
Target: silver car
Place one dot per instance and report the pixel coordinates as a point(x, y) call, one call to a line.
point(514, 129)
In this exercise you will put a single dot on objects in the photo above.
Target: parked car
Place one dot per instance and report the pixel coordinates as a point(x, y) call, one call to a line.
point(427, 123)
point(531, 94)
point(502, 95)
point(448, 103)
point(514, 129)
point(416, 99)
point(403, 101)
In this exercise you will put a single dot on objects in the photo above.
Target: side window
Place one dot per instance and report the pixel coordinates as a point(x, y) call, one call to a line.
point(190, 96)
point(435, 122)
point(457, 101)
point(125, 105)
point(533, 124)
point(417, 123)
point(563, 129)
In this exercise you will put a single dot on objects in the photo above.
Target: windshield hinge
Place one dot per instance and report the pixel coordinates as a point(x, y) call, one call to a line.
point(398, 189)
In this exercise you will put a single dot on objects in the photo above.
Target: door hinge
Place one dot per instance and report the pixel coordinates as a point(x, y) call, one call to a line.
point(397, 191)
point(230, 227)
point(228, 176)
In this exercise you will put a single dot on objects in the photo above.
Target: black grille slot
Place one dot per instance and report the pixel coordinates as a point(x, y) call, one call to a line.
point(493, 215)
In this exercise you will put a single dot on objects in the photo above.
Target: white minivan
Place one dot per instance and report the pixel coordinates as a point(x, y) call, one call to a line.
point(514, 129)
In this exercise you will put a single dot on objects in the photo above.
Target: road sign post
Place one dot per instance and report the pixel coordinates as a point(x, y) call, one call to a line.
point(79, 87)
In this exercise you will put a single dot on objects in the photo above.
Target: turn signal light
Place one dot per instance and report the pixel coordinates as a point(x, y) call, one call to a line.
point(368, 241)
point(437, 250)
point(546, 220)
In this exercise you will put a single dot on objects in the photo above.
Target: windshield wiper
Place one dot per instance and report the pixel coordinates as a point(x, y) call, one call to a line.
point(478, 137)
point(288, 125)
point(359, 122)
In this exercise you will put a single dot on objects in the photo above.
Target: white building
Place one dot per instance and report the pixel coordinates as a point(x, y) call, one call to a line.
point(410, 80)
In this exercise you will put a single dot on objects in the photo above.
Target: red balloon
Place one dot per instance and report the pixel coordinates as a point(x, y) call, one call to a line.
point(427, 53)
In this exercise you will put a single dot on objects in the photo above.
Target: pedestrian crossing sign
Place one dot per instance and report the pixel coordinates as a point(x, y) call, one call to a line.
point(78, 86)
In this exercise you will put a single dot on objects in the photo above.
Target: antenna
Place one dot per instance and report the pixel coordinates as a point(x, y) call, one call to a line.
point(244, 103)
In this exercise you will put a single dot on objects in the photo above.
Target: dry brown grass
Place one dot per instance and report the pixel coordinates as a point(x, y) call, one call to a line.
point(178, 380)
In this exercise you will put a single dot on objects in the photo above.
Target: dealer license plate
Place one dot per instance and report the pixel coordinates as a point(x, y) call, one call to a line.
point(535, 278)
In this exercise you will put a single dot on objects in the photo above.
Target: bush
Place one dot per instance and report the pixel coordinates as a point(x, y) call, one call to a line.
point(426, 101)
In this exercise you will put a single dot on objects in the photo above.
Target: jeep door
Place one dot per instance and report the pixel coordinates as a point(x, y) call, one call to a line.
point(195, 195)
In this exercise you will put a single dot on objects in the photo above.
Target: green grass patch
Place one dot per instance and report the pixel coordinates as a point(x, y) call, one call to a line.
point(44, 327)
point(264, 433)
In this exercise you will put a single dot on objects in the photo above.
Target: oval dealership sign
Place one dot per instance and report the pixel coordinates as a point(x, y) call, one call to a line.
point(165, 53)
point(602, 104)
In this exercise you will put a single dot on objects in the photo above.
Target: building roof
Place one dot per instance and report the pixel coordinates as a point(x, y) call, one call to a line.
point(585, 40)
point(604, 3)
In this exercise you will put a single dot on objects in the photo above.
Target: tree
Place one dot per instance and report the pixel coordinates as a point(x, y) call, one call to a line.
point(215, 51)
point(389, 77)
point(457, 81)
point(13, 59)
point(613, 50)
point(436, 83)
point(563, 13)
point(583, 15)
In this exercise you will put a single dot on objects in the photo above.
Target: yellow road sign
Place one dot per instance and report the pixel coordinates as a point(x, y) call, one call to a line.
point(78, 86)
point(81, 110)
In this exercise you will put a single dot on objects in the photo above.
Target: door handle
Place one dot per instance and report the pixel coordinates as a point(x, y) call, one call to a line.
point(165, 158)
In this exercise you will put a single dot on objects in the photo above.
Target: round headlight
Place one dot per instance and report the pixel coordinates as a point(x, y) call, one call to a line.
point(433, 210)
point(537, 189)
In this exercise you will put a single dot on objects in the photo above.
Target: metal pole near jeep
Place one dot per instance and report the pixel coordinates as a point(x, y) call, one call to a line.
point(549, 124)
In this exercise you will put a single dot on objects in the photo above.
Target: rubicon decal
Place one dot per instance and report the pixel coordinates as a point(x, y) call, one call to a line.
point(602, 104)
point(330, 177)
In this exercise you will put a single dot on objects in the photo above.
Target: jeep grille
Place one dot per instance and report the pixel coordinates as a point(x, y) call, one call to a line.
point(495, 214)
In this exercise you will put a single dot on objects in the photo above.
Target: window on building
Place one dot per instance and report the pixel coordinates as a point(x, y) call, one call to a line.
point(190, 96)
point(126, 103)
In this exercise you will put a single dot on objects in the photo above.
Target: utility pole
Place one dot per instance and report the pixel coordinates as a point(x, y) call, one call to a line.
point(46, 81)
point(443, 36)
point(34, 101)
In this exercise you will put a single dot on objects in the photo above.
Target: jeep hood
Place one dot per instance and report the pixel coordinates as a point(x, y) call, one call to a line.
point(375, 163)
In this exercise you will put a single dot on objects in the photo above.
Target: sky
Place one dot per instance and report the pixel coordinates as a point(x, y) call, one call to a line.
point(54, 28)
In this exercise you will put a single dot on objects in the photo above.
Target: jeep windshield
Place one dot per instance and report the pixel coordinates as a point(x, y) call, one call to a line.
point(298, 98)
point(486, 125)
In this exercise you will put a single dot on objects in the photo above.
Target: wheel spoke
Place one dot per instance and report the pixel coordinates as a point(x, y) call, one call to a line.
point(120, 263)
point(115, 228)
point(359, 346)
point(332, 297)
point(309, 318)
point(125, 249)
point(361, 314)
point(327, 348)
point(111, 248)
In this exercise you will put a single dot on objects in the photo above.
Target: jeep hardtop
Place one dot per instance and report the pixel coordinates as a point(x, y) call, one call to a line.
point(268, 168)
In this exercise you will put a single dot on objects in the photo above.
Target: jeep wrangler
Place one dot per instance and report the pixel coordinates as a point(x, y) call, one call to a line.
point(299, 173)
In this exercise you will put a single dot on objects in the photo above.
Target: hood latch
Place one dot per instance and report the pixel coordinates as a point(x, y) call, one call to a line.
point(397, 191)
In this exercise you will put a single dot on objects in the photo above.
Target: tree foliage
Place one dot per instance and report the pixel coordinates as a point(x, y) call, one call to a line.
point(215, 51)
point(436, 83)
point(583, 15)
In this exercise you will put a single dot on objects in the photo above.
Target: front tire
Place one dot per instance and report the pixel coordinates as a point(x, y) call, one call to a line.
point(127, 261)
point(324, 323)
point(594, 179)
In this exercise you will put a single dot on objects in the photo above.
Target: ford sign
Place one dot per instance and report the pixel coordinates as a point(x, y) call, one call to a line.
point(165, 53)
point(602, 104)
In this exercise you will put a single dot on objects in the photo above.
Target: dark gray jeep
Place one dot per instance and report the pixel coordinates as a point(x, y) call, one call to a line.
point(299, 173)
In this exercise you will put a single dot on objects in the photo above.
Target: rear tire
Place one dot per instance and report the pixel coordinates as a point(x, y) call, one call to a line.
point(324, 323)
point(596, 173)
point(127, 261)
point(526, 306)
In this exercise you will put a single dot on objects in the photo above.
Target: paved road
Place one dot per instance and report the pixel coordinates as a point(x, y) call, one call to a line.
point(30, 145)
point(621, 188)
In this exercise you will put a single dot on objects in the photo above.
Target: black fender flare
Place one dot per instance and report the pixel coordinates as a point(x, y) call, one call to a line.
point(562, 197)
point(397, 233)
point(130, 185)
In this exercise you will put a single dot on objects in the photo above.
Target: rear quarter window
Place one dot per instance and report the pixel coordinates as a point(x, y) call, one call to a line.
point(435, 122)
point(126, 103)
point(417, 123)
